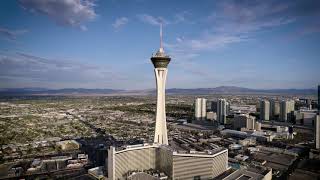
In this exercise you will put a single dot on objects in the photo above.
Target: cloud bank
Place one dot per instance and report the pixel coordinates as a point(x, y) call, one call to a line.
point(26, 70)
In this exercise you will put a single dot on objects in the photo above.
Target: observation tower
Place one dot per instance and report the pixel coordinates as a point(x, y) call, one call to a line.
point(160, 62)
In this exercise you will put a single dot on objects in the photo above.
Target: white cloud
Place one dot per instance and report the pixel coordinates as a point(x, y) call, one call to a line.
point(11, 34)
point(146, 18)
point(72, 13)
point(120, 22)
point(248, 17)
point(179, 39)
point(179, 17)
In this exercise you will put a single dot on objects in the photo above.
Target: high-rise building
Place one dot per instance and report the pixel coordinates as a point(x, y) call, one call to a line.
point(309, 104)
point(200, 108)
point(264, 110)
point(257, 126)
point(319, 99)
point(222, 111)
point(204, 108)
point(197, 108)
point(160, 62)
point(214, 106)
point(274, 109)
point(243, 121)
point(228, 108)
point(283, 110)
point(286, 109)
point(317, 131)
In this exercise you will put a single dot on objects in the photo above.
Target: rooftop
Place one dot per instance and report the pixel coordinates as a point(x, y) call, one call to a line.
point(170, 148)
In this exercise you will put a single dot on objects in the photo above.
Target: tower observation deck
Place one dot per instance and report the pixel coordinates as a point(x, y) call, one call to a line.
point(160, 62)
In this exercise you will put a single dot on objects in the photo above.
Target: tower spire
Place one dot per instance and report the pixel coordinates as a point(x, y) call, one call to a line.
point(161, 46)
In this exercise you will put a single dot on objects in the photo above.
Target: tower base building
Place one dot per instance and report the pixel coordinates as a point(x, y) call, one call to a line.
point(162, 158)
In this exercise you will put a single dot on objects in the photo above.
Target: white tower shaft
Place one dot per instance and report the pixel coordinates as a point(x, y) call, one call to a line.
point(160, 135)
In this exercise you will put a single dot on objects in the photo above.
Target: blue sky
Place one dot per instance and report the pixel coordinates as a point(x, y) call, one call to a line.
point(107, 44)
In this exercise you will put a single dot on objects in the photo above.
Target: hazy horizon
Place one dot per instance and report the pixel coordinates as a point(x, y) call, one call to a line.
point(39, 88)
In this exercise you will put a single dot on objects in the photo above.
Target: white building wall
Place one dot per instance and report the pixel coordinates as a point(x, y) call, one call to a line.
point(190, 166)
point(121, 162)
point(200, 108)
point(203, 108)
point(197, 108)
point(264, 110)
point(274, 108)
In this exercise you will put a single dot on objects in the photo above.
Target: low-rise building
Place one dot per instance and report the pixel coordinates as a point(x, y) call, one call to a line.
point(251, 173)
point(211, 115)
point(97, 172)
point(68, 145)
point(175, 164)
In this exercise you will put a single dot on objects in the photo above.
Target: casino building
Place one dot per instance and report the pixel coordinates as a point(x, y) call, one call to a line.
point(175, 164)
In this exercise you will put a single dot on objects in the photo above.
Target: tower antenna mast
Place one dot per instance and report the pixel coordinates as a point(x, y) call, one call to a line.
point(161, 45)
point(160, 34)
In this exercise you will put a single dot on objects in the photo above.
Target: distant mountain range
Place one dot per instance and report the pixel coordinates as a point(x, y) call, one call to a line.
point(216, 90)
point(240, 90)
